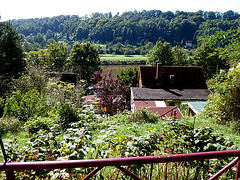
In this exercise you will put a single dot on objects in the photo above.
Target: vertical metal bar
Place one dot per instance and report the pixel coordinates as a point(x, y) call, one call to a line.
point(238, 169)
point(129, 173)
point(92, 173)
point(151, 171)
point(10, 174)
point(3, 150)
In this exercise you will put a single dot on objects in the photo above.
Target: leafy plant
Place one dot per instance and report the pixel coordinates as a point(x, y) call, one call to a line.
point(112, 94)
point(24, 106)
point(10, 124)
point(129, 77)
point(224, 102)
point(143, 116)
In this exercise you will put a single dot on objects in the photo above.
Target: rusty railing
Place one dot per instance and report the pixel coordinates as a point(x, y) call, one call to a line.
point(9, 168)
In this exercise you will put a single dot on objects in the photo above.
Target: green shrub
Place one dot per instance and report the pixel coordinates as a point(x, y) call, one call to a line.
point(25, 106)
point(50, 145)
point(44, 123)
point(68, 114)
point(224, 101)
point(10, 124)
point(143, 115)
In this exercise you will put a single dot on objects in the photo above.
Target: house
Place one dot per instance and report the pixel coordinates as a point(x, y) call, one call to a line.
point(169, 86)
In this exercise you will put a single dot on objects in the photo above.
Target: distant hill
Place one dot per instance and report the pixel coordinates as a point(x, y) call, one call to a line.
point(133, 27)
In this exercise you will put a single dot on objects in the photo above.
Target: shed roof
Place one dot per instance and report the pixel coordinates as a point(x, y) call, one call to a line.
point(197, 107)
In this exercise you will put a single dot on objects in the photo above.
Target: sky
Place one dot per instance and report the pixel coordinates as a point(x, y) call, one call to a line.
point(25, 9)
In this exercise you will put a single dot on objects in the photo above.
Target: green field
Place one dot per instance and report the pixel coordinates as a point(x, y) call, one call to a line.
point(111, 57)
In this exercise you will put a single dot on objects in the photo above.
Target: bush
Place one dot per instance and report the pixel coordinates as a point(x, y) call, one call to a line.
point(224, 101)
point(25, 106)
point(68, 114)
point(10, 124)
point(143, 115)
point(45, 123)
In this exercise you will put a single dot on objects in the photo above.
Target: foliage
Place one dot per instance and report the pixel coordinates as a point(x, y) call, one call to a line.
point(161, 53)
point(68, 114)
point(135, 28)
point(50, 145)
point(59, 92)
point(11, 55)
point(229, 46)
point(180, 57)
point(52, 58)
point(143, 116)
point(85, 57)
point(10, 124)
point(2, 102)
point(26, 105)
point(53, 102)
point(207, 56)
point(77, 143)
point(224, 101)
point(112, 94)
point(45, 123)
point(218, 51)
point(33, 78)
point(129, 77)
point(58, 55)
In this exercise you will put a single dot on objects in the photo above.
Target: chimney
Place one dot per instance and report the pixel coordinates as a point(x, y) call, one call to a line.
point(159, 75)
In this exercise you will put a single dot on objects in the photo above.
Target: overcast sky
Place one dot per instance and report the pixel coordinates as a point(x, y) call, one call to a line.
point(22, 9)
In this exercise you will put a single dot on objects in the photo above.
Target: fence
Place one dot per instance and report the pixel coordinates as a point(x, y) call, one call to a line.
point(9, 168)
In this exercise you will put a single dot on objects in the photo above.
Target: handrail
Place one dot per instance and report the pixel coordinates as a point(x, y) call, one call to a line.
point(118, 162)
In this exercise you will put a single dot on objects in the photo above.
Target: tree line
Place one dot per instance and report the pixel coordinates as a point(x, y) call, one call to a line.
point(130, 28)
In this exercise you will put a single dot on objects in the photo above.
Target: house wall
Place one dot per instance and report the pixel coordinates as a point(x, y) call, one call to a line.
point(173, 102)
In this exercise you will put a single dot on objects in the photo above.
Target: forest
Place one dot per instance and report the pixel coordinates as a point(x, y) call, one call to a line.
point(133, 29)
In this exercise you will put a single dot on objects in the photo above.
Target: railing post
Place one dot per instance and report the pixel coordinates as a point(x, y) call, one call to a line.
point(238, 170)
point(10, 174)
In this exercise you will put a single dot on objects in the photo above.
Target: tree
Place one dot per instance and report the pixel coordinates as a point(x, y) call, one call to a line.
point(112, 94)
point(224, 101)
point(207, 56)
point(161, 53)
point(12, 61)
point(179, 57)
point(85, 56)
point(129, 77)
point(58, 55)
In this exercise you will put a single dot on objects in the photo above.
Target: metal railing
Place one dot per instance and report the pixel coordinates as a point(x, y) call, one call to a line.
point(9, 168)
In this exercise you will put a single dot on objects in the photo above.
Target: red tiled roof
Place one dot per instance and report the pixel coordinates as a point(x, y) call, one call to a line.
point(162, 111)
point(167, 111)
point(144, 104)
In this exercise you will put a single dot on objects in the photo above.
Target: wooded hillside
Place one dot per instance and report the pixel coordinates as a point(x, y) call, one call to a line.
point(133, 27)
